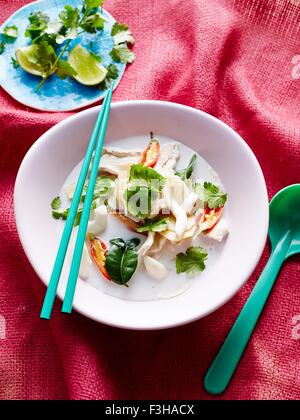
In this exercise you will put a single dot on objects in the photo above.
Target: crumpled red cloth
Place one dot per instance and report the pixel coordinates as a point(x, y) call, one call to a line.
point(234, 61)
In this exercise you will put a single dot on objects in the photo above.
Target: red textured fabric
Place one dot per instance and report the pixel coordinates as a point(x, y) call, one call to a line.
point(232, 59)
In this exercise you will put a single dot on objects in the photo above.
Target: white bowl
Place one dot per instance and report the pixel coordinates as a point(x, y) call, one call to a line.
point(51, 159)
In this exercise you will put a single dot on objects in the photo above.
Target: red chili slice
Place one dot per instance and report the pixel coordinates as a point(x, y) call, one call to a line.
point(98, 250)
point(151, 153)
point(211, 217)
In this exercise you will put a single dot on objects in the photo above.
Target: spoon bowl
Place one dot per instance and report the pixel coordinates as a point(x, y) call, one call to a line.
point(285, 217)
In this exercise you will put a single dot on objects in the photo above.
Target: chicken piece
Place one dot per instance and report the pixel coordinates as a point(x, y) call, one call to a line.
point(168, 156)
point(118, 152)
point(116, 160)
point(219, 232)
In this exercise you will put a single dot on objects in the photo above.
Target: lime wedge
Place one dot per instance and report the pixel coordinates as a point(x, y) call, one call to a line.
point(89, 70)
point(23, 56)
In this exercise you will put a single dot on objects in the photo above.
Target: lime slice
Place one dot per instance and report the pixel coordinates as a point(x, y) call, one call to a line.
point(23, 56)
point(89, 70)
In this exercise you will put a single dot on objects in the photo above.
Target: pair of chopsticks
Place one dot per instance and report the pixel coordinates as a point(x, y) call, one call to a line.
point(95, 144)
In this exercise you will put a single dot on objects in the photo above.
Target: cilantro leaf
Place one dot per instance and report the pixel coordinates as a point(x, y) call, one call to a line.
point(158, 225)
point(57, 215)
point(64, 69)
point(122, 54)
point(10, 32)
point(144, 185)
point(188, 172)
point(121, 34)
point(104, 186)
point(92, 23)
point(2, 47)
point(92, 4)
point(14, 62)
point(192, 262)
point(210, 194)
point(151, 177)
point(213, 196)
point(38, 22)
point(62, 215)
point(70, 17)
point(44, 55)
point(56, 203)
point(118, 27)
point(112, 74)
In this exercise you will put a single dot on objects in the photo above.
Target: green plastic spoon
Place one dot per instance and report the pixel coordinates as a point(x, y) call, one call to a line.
point(284, 234)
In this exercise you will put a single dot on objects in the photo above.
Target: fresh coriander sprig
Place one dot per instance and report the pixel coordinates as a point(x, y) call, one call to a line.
point(191, 262)
point(9, 34)
point(54, 66)
point(210, 194)
point(47, 36)
point(73, 23)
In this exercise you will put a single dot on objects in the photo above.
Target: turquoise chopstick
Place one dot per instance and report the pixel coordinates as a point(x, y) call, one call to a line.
point(81, 235)
point(62, 250)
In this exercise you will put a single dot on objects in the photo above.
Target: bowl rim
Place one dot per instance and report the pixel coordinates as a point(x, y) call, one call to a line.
point(121, 104)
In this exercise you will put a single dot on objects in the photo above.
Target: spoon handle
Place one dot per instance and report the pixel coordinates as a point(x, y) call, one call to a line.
point(226, 361)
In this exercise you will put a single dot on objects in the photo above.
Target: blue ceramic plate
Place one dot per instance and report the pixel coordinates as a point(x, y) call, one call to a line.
point(56, 95)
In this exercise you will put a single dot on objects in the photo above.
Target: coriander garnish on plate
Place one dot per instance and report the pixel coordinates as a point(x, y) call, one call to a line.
point(51, 53)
